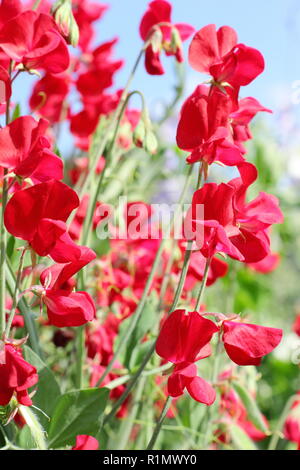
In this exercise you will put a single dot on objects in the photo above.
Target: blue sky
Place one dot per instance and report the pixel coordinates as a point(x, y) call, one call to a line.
point(272, 26)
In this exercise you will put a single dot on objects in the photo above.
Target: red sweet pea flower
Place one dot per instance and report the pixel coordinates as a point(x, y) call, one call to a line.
point(5, 86)
point(48, 97)
point(9, 9)
point(230, 224)
point(183, 337)
point(267, 264)
point(185, 376)
point(246, 344)
point(16, 376)
point(38, 215)
point(34, 40)
point(156, 25)
point(233, 410)
point(26, 151)
point(69, 308)
point(64, 307)
point(240, 119)
point(204, 127)
point(84, 442)
point(85, 13)
point(218, 54)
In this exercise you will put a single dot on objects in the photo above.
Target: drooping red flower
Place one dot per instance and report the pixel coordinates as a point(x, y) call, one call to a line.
point(231, 225)
point(183, 337)
point(48, 97)
point(246, 344)
point(65, 307)
point(204, 127)
point(16, 376)
point(185, 376)
point(86, 12)
point(33, 39)
point(38, 215)
point(25, 150)
point(84, 442)
point(241, 118)
point(217, 53)
point(157, 20)
point(267, 264)
point(233, 410)
point(5, 86)
point(9, 9)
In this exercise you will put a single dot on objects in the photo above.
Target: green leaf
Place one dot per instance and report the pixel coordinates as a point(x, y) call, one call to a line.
point(254, 414)
point(10, 246)
point(16, 112)
point(77, 412)
point(48, 390)
point(240, 439)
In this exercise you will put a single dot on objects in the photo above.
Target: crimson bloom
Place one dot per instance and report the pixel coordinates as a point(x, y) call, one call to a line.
point(183, 337)
point(246, 344)
point(204, 127)
point(156, 26)
point(84, 442)
point(230, 224)
point(185, 376)
point(218, 53)
point(38, 215)
point(26, 151)
point(34, 40)
point(16, 376)
point(65, 307)
point(48, 96)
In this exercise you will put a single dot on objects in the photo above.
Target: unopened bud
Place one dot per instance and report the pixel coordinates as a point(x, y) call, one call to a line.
point(63, 16)
point(156, 40)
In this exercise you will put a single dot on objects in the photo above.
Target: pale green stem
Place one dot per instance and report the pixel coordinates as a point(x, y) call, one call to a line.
point(159, 423)
point(203, 284)
point(15, 296)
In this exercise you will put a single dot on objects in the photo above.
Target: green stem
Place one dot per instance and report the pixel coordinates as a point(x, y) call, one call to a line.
point(179, 88)
point(15, 296)
point(127, 425)
point(185, 267)
point(36, 4)
point(203, 284)
point(3, 256)
point(80, 356)
point(159, 423)
point(146, 373)
point(30, 325)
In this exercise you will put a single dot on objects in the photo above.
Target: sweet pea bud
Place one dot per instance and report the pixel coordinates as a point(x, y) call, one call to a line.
point(63, 15)
point(150, 144)
point(176, 43)
point(156, 40)
point(143, 136)
point(139, 134)
point(8, 412)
